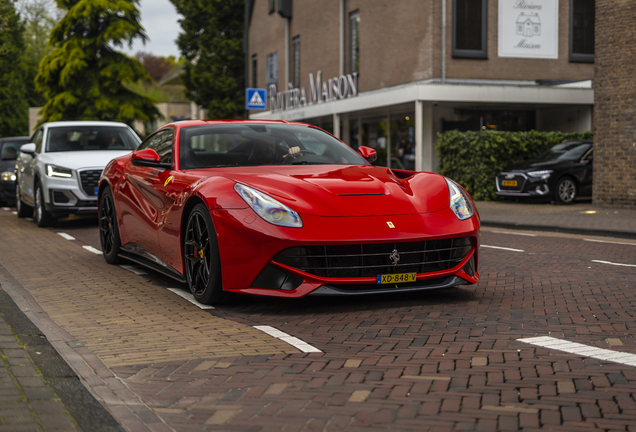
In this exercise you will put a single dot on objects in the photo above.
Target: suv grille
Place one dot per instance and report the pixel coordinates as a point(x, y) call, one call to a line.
point(518, 178)
point(90, 181)
point(371, 260)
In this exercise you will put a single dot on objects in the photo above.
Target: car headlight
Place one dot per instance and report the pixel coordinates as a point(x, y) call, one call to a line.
point(268, 208)
point(7, 176)
point(459, 201)
point(545, 174)
point(56, 171)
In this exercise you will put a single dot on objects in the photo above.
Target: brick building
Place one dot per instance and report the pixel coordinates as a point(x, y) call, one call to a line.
point(392, 74)
point(614, 96)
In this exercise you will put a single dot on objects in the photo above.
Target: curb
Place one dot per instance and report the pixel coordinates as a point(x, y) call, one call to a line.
point(567, 230)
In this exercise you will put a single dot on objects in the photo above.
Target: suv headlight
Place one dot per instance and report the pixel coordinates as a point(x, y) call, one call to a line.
point(545, 174)
point(268, 208)
point(56, 171)
point(459, 201)
point(7, 176)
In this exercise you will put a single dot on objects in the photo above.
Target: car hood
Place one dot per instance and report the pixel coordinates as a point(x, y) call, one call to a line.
point(534, 165)
point(328, 190)
point(82, 159)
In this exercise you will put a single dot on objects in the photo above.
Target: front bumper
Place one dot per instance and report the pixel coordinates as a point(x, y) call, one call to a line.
point(7, 191)
point(526, 186)
point(248, 247)
point(69, 195)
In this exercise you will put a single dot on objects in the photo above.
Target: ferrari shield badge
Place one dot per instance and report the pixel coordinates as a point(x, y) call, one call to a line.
point(168, 180)
point(390, 224)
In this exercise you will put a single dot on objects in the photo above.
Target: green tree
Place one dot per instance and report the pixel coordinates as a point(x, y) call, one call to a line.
point(13, 105)
point(212, 44)
point(83, 77)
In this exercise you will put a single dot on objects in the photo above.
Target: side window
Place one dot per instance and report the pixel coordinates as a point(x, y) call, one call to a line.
point(37, 139)
point(161, 142)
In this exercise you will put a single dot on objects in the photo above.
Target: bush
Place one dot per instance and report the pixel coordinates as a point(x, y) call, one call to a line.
point(474, 159)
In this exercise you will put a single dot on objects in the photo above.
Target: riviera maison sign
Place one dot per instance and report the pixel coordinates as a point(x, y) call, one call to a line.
point(529, 28)
point(342, 87)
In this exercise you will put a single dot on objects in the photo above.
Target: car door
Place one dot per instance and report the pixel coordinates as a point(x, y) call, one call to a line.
point(142, 204)
point(27, 167)
point(587, 162)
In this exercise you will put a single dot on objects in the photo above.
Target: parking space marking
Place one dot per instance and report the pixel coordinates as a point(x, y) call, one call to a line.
point(582, 350)
point(612, 263)
point(14, 212)
point(502, 248)
point(6, 209)
point(514, 233)
point(293, 341)
point(611, 242)
point(92, 249)
point(189, 297)
point(133, 269)
point(66, 236)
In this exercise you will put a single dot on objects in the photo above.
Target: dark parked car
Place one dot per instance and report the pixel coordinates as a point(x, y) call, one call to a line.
point(562, 173)
point(9, 149)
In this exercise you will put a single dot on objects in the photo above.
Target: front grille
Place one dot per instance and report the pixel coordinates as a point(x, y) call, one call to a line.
point(90, 180)
point(519, 178)
point(371, 260)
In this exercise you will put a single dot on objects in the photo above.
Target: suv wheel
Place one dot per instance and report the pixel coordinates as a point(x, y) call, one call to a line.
point(42, 217)
point(566, 190)
point(23, 210)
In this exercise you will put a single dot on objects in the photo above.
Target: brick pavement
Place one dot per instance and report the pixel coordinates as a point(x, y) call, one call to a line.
point(27, 403)
point(443, 360)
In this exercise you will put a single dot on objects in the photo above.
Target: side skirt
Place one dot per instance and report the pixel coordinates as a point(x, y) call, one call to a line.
point(135, 253)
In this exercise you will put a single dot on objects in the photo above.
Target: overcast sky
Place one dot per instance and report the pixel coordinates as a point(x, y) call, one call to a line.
point(159, 18)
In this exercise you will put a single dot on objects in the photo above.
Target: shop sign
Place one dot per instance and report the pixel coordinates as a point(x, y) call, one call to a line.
point(333, 89)
point(529, 28)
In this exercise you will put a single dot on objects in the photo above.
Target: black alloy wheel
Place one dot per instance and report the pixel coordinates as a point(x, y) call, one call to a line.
point(41, 217)
point(108, 228)
point(566, 190)
point(23, 210)
point(201, 257)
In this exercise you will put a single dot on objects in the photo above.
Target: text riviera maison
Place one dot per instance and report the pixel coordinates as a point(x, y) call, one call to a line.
point(342, 87)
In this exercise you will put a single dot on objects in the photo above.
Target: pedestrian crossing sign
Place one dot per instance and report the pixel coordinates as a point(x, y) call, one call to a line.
point(255, 99)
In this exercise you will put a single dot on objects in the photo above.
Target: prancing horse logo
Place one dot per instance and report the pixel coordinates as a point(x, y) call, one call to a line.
point(394, 257)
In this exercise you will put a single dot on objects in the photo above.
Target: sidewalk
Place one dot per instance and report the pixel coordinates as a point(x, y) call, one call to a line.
point(580, 218)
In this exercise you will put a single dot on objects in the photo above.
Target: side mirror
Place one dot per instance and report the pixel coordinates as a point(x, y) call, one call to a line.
point(149, 158)
point(368, 153)
point(28, 149)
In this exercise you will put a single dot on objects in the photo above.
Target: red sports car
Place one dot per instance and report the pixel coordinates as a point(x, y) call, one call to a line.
point(282, 209)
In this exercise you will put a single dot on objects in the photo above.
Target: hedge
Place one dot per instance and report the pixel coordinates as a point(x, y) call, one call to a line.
point(474, 159)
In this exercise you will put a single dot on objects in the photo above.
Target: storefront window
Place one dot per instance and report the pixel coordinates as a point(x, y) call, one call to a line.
point(470, 28)
point(582, 17)
point(354, 42)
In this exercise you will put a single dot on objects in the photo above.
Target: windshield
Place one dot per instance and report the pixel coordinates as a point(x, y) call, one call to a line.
point(261, 144)
point(565, 151)
point(87, 138)
point(10, 150)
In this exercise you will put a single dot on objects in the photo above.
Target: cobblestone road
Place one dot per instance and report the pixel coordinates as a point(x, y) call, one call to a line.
point(439, 360)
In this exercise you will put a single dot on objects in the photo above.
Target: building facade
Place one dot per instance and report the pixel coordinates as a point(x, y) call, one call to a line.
point(615, 93)
point(391, 75)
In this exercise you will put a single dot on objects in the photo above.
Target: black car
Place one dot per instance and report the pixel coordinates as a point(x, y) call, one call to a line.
point(9, 150)
point(562, 173)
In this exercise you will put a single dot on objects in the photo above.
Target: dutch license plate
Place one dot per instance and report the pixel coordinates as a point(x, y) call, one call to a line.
point(96, 191)
point(509, 182)
point(396, 278)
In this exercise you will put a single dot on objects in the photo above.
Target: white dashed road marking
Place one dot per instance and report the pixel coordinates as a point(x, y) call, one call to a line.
point(92, 249)
point(293, 341)
point(514, 233)
point(582, 350)
point(189, 297)
point(616, 264)
point(502, 248)
point(133, 269)
point(66, 236)
point(6, 209)
point(611, 242)
point(14, 212)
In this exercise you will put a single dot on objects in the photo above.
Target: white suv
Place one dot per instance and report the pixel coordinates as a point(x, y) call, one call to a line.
point(58, 171)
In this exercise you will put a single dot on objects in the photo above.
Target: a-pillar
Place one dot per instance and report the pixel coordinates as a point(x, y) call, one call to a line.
point(424, 136)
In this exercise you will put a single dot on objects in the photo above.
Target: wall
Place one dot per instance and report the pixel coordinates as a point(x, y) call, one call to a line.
point(614, 96)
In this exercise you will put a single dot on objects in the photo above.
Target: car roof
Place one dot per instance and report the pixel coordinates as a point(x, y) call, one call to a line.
point(16, 138)
point(84, 123)
point(188, 123)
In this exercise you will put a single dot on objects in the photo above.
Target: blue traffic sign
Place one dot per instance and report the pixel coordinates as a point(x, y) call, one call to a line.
point(255, 99)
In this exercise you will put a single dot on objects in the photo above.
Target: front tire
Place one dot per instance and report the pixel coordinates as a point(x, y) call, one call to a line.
point(23, 210)
point(566, 190)
point(41, 217)
point(201, 257)
point(109, 228)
